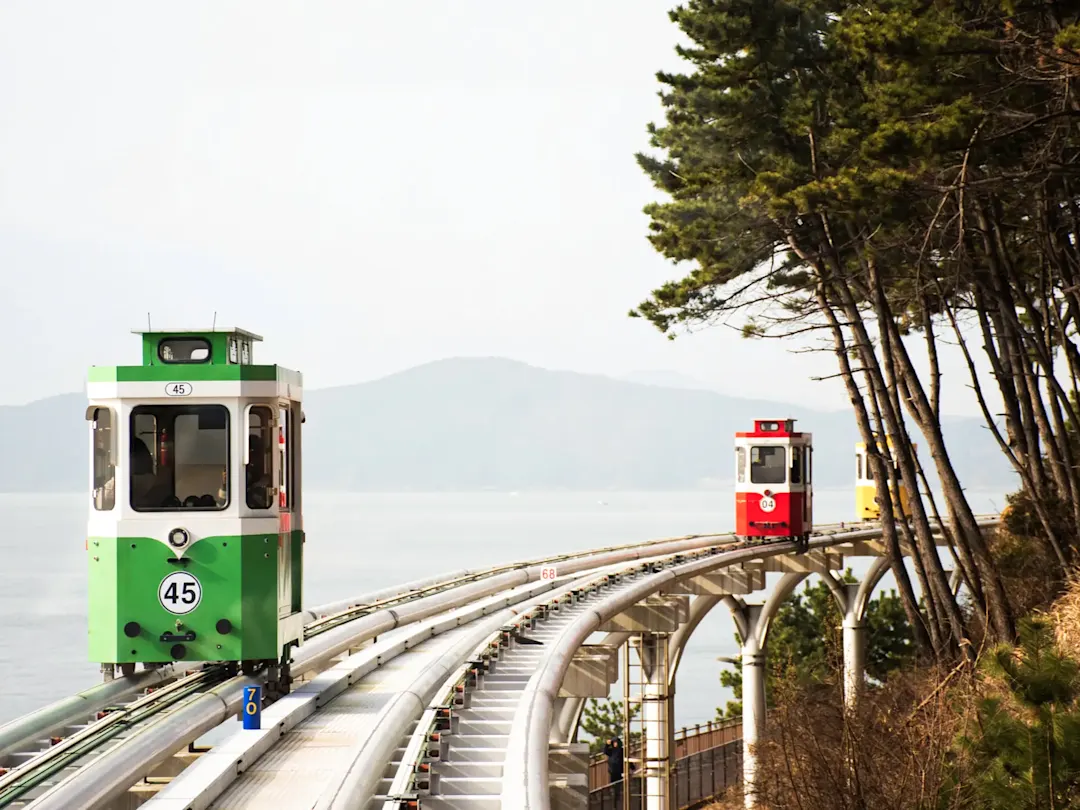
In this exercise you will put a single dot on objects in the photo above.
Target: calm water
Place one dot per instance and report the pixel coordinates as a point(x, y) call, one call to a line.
point(358, 543)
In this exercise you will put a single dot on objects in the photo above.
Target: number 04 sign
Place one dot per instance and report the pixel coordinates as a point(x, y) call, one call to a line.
point(180, 593)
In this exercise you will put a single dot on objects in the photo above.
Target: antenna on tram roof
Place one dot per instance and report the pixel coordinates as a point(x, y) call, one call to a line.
point(148, 328)
point(213, 326)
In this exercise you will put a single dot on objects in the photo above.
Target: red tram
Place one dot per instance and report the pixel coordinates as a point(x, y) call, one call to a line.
point(773, 495)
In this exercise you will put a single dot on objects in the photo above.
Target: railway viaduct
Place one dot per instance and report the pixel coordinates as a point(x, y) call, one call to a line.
point(457, 692)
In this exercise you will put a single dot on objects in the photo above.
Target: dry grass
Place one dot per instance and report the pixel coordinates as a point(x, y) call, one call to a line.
point(1028, 569)
point(732, 803)
point(891, 756)
point(1065, 615)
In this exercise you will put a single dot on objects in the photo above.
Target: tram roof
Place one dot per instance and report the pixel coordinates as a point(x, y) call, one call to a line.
point(225, 330)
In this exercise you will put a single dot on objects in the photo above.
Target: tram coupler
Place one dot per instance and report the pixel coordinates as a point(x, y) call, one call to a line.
point(802, 544)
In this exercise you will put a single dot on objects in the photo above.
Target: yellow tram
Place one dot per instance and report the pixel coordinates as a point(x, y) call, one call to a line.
point(867, 506)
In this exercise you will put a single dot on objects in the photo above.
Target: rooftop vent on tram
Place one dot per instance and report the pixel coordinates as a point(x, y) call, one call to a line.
point(221, 346)
point(774, 425)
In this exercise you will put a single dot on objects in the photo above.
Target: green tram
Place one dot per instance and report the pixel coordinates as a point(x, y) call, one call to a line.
point(195, 540)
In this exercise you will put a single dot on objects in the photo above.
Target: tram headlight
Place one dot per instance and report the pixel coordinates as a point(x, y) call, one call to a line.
point(178, 538)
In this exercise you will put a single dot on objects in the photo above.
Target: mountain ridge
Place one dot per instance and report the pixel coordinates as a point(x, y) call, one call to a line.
point(476, 423)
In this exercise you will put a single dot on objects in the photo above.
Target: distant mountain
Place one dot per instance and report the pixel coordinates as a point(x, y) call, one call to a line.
point(489, 423)
point(666, 379)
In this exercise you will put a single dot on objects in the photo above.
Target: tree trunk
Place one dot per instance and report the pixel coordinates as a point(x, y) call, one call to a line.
point(892, 544)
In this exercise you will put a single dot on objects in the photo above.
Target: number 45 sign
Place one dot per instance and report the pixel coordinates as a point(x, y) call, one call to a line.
point(547, 573)
point(180, 593)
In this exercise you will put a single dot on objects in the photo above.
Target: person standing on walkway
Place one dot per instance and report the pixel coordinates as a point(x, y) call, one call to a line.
point(614, 753)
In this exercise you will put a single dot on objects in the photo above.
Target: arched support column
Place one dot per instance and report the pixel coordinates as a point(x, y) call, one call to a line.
point(699, 609)
point(568, 710)
point(752, 623)
point(852, 599)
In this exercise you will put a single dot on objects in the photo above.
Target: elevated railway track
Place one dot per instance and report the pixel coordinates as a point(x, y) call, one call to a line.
point(121, 729)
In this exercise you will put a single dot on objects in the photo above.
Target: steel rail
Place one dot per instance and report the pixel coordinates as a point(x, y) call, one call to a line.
point(69, 711)
point(178, 729)
point(116, 770)
point(457, 579)
point(407, 782)
point(358, 786)
point(204, 781)
point(525, 772)
point(31, 774)
point(155, 743)
point(63, 713)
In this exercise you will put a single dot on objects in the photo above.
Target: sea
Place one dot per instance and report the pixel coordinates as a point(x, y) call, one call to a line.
point(360, 542)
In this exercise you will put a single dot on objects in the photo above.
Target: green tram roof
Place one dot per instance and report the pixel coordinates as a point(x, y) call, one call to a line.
point(229, 330)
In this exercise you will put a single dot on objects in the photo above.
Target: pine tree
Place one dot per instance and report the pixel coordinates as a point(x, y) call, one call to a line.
point(603, 719)
point(1023, 749)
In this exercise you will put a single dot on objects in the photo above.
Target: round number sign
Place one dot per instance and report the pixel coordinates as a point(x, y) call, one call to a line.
point(767, 503)
point(180, 593)
point(178, 389)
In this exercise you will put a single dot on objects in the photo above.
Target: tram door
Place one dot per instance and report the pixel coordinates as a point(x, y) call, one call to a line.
point(285, 508)
point(808, 496)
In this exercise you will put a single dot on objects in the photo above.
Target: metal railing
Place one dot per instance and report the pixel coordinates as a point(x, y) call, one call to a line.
point(688, 740)
point(697, 776)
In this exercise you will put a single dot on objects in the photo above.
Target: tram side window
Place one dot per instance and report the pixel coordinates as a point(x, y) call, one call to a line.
point(740, 464)
point(796, 465)
point(179, 457)
point(104, 460)
point(259, 473)
point(285, 479)
point(184, 350)
point(768, 465)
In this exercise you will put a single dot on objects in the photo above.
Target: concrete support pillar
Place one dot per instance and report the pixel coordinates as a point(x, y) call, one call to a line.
point(753, 698)
point(852, 598)
point(656, 713)
point(854, 646)
point(752, 623)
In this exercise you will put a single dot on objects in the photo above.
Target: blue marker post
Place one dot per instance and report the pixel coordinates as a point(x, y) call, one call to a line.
point(253, 707)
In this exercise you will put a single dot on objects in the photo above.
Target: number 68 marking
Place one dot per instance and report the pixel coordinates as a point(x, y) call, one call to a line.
point(547, 574)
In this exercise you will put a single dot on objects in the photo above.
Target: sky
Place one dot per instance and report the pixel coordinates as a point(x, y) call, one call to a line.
point(368, 185)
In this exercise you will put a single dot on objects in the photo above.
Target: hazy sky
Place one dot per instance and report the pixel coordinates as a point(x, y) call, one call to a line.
point(369, 185)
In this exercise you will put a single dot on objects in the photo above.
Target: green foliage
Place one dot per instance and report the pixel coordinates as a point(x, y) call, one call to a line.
point(804, 642)
point(1023, 749)
point(869, 114)
point(603, 719)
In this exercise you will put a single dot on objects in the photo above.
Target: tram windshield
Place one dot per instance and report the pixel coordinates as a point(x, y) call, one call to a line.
point(768, 465)
point(179, 457)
